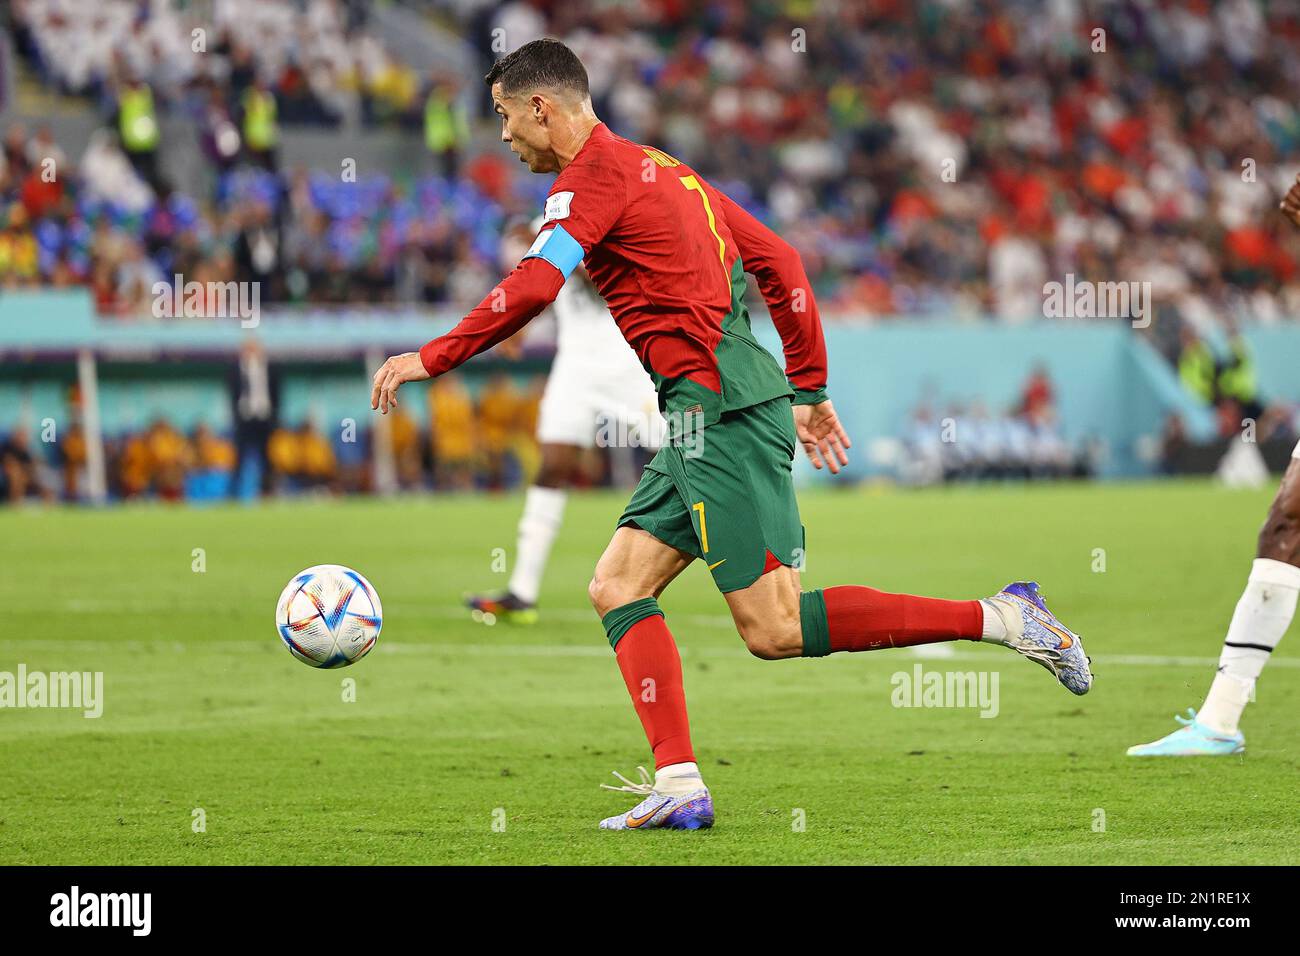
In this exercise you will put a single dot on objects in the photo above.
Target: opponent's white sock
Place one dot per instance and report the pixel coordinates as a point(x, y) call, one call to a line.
point(678, 779)
point(1226, 700)
point(1262, 616)
point(543, 514)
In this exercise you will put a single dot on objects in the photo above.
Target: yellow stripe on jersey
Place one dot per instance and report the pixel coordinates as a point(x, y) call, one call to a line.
point(691, 183)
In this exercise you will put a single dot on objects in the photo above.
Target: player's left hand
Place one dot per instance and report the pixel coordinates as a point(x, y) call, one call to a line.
point(822, 435)
point(406, 367)
point(1290, 204)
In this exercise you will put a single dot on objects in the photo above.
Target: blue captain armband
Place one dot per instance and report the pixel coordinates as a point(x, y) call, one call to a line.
point(558, 248)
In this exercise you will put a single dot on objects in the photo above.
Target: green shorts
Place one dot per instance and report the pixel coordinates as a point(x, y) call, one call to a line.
point(726, 494)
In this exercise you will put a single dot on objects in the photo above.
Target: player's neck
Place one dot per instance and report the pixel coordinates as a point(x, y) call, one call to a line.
point(575, 138)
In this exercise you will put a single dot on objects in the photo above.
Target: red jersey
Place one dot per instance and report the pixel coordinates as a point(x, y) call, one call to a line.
point(667, 252)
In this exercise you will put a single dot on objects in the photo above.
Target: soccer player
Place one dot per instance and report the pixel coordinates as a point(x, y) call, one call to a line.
point(1262, 615)
point(668, 253)
point(596, 385)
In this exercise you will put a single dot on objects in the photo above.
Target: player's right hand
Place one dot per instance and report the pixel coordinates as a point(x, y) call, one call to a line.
point(822, 436)
point(1290, 204)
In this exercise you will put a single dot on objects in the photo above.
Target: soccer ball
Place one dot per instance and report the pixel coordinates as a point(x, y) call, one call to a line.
point(328, 616)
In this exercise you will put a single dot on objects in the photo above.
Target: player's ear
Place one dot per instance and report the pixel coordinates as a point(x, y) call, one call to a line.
point(539, 107)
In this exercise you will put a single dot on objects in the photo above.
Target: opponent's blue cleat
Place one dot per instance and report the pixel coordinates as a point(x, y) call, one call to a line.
point(690, 811)
point(1193, 739)
point(1034, 631)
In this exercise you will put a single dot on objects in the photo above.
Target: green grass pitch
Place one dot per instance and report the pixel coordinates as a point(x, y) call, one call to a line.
point(469, 744)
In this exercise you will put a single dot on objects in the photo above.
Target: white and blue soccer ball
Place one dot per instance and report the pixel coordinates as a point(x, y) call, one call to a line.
point(329, 616)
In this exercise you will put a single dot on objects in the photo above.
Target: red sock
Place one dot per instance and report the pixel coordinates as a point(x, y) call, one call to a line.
point(652, 670)
point(864, 619)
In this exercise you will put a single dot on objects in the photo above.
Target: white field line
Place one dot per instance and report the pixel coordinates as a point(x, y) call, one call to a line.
point(492, 647)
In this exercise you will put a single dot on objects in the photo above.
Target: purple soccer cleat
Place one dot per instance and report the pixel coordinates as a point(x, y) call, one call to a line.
point(660, 811)
point(1034, 631)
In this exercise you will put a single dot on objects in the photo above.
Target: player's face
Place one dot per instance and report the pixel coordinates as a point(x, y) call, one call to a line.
point(523, 131)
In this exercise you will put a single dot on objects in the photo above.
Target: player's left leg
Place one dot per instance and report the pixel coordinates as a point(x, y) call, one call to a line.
point(747, 521)
point(1261, 618)
point(1265, 609)
point(777, 620)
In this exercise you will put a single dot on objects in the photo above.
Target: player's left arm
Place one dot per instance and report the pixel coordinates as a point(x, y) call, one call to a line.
point(784, 284)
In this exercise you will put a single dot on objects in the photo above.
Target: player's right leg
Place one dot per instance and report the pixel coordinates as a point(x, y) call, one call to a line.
point(1262, 616)
point(629, 578)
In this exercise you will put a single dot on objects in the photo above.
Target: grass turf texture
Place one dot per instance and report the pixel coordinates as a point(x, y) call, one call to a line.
point(458, 728)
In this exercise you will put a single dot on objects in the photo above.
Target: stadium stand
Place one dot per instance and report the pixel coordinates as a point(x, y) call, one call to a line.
point(837, 138)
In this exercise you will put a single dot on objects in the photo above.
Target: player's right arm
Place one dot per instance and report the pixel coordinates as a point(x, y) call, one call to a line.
point(584, 204)
point(517, 300)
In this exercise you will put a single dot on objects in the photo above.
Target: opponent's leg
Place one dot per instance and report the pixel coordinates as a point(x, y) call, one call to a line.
point(1265, 609)
point(1262, 616)
point(776, 621)
point(538, 526)
point(543, 513)
point(630, 576)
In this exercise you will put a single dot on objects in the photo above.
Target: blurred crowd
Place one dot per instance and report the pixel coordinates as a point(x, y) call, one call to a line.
point(927, 158)
point(949, 159)
point(967, 442)
point(319, 58)
point(306, 238)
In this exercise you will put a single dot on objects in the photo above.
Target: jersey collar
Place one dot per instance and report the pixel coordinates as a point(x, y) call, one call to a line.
point(599, 134)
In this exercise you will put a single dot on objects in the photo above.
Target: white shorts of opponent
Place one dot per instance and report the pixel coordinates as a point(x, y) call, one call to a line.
point(587, 406)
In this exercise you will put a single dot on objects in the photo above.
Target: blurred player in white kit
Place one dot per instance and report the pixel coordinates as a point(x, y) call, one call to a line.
point(597, 393)
point(1263, 613)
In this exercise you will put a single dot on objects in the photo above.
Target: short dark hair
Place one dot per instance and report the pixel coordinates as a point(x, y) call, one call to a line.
point(543, 63)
